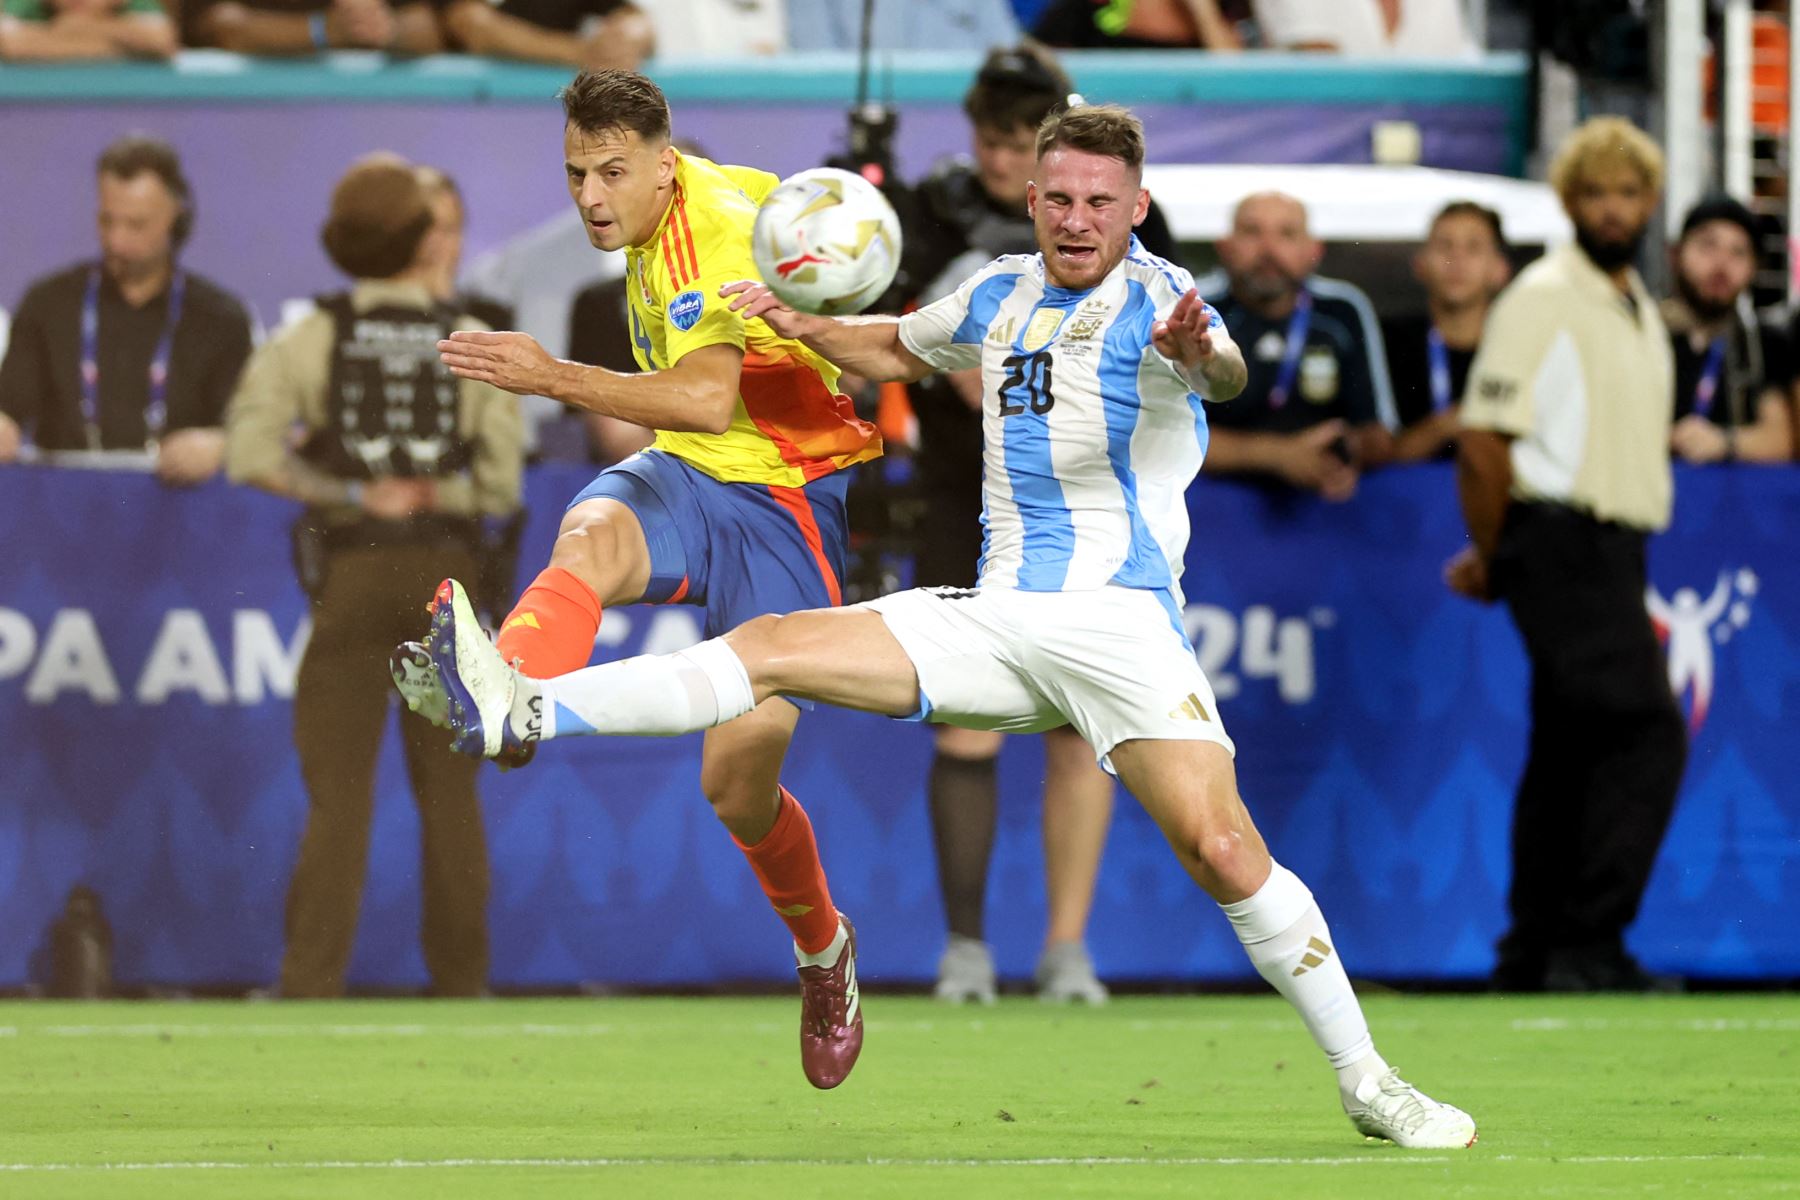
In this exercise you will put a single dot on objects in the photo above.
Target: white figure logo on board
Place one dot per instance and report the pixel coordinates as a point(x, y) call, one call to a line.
point(1689, 628)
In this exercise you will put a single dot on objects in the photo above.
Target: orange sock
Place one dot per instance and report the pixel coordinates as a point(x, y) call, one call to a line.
point(787, 865)
point(550, 631)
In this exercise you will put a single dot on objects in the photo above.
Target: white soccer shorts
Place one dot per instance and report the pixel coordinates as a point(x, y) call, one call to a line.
point(1110, 662)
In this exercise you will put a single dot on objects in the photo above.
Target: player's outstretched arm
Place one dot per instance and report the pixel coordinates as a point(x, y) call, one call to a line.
point(1208, 357)
point(866, 346)
point(696, 395)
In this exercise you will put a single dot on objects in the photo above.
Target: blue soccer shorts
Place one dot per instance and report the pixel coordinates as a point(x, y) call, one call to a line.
point(741, 550)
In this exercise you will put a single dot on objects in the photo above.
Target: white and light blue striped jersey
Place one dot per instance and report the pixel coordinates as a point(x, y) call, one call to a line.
point(1091, 435)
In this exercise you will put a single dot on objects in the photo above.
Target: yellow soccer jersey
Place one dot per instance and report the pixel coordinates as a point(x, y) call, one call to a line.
point(791, 426)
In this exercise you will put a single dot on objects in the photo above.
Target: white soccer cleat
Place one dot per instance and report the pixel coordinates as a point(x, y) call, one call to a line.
point(478, 684)
point(1389, 1108)
point(416, 679)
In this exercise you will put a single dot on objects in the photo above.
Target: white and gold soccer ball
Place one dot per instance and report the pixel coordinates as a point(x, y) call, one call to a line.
point(827, 241)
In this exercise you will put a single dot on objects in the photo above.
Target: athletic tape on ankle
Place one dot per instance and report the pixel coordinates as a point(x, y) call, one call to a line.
point(724, 673)
point(1272, 911)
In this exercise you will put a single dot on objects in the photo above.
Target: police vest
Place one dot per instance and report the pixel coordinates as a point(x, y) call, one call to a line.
point(393, 405)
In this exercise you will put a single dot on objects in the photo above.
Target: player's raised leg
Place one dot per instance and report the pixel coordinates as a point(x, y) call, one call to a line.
point(1190, 789)
point(844, 657)
point(601, 558)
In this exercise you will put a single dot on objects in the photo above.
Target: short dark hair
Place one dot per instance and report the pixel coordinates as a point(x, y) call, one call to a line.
point(1105, 129)
point(597, 101)
point(1481, 212)
point(1017, 86)
point(136, 153)
point(1720, 207)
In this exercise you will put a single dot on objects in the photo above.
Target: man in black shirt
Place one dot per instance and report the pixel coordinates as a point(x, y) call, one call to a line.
point(1463, 266)
point(1318, 406)
point(1733, 375)
point(132, 350)
point(595, 34)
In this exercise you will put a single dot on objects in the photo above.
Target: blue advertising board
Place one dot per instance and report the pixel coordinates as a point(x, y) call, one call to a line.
point(149, 641)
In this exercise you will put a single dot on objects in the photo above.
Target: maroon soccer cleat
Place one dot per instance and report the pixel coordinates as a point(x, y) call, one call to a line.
point(831, 1024)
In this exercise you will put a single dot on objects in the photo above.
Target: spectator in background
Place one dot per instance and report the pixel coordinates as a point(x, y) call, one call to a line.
point(394, 495)
point(913, 25)
point(448, 221)
point(1318, 408)
point(600, 335)
point(1564, 472)
point(689, 29)
point(130, 350)
point(1463, 266)
point(572, 33)
point(280, 27)
point(1367, 28)
point(1143, 25)
point(1733, 375)
point(538, 273)
point(47, 30)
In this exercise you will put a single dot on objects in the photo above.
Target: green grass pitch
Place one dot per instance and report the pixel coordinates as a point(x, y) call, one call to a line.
point(1196, 1096)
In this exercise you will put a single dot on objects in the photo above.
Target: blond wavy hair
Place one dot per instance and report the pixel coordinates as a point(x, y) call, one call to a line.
point(1600, 144)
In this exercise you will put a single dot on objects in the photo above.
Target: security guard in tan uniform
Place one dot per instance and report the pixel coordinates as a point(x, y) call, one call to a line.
point(397, 464)
point(1564, 474)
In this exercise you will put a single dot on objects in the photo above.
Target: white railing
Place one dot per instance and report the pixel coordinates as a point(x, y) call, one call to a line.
point(1684, 108)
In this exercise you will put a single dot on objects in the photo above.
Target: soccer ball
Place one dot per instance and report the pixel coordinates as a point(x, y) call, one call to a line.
point(827, 241)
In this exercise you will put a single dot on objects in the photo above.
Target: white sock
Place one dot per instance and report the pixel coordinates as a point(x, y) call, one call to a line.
point(1285, 935)
point(828, 956)
point(659, 695)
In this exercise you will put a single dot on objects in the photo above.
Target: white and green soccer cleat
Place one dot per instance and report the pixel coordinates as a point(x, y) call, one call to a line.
point(1389, 1108)
point(416, 679)
point(478, 684)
